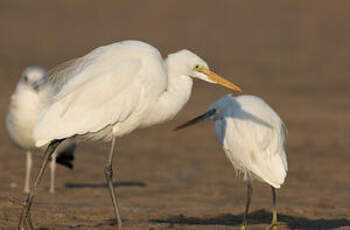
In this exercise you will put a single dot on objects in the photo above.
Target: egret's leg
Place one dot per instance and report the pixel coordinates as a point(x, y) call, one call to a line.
point(109, 179)
point(53, 168)
point(29, 164)
point(273, 225)
point(29, 222)
point(249, 196)
point(28, 203)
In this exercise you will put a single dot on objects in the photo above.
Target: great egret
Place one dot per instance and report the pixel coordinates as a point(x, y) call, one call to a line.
point(253, 137)
point(114, 90)
point(33, 92)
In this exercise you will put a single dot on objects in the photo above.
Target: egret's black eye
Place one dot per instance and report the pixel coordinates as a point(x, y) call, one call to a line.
point(212, 112)
point(197, 66)
point(25, 78)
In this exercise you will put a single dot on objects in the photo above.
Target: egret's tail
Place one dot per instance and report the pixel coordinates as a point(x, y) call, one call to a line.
point(275, 170)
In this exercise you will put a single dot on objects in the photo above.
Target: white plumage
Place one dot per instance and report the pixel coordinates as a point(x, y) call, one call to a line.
point(116, 89)
point(113, 86)
point(30, 97)
point(253, 138)
point(33, 93)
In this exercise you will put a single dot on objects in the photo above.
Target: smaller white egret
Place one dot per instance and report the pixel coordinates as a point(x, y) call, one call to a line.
point(33, 92)
point(253, 137)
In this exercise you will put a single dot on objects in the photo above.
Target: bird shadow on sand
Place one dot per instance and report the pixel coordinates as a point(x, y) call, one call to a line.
point(103, 223)
point(257, 217)
point(104, 185)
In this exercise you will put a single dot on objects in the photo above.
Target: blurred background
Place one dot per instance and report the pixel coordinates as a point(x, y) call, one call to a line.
point(294, 54)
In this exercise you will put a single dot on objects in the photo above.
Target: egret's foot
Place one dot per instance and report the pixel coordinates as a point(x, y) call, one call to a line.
point(120, 226)
point(273, 226)
point(29, 222)
point(244, 227)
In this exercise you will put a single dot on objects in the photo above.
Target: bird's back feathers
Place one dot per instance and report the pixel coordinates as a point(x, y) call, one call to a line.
point(101, 89)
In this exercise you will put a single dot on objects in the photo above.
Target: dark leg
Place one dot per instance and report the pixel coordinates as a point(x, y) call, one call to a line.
point(273, 225)
point(249, 196)
point(26, 209)
point(109, 179)
point(29, 221)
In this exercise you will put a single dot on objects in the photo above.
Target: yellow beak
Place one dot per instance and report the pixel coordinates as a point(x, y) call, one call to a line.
point(217, 79)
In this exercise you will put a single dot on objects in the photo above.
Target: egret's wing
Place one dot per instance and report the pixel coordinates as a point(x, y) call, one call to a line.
point(258, 120)
point(242, 147)
point(60, 73)
point(85, 65)
point(253, 139)
point(91, 101)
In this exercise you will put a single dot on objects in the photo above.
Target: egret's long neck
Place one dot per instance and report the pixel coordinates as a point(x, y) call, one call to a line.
point(172, 100)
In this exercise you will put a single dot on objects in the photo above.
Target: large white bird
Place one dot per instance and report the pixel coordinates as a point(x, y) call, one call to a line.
point(253, 138)
point(33, 92)
point(114, 90)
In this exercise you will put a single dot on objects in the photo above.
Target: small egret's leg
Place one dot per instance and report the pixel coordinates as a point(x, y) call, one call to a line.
point(249, 196)
point(29, 164)
point(29, 222)
point(273, 225)
point(53, 168)
point(109, 179)
point(28, 203)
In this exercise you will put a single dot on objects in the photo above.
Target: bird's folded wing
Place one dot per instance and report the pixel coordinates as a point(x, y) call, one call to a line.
point(258, 148)
point(60, 74)
point(90, 101)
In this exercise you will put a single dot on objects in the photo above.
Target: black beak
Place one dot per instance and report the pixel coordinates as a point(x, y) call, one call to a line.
point(37, 84)
point(198, 119)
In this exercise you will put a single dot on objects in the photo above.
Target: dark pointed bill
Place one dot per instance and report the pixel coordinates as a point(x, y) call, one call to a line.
point(196, 120)
point(36, 85)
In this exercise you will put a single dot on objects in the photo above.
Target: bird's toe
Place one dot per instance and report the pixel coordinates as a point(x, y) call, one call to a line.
point(273, 227)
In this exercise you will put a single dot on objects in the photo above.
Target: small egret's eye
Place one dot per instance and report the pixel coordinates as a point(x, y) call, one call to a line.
point(212, 112)
point(25, 78)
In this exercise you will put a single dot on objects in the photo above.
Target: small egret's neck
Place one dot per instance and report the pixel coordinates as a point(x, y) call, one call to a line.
point(172, 100)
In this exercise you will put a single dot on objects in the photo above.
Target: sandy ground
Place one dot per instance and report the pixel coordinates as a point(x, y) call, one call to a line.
point(294, 54)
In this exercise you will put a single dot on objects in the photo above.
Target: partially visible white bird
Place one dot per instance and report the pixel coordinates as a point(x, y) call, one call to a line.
point(114, 90)
point(253, 138)
point(33, 92)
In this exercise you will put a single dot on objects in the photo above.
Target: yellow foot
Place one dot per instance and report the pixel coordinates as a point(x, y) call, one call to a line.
point(244, 227)
point(272, 227)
